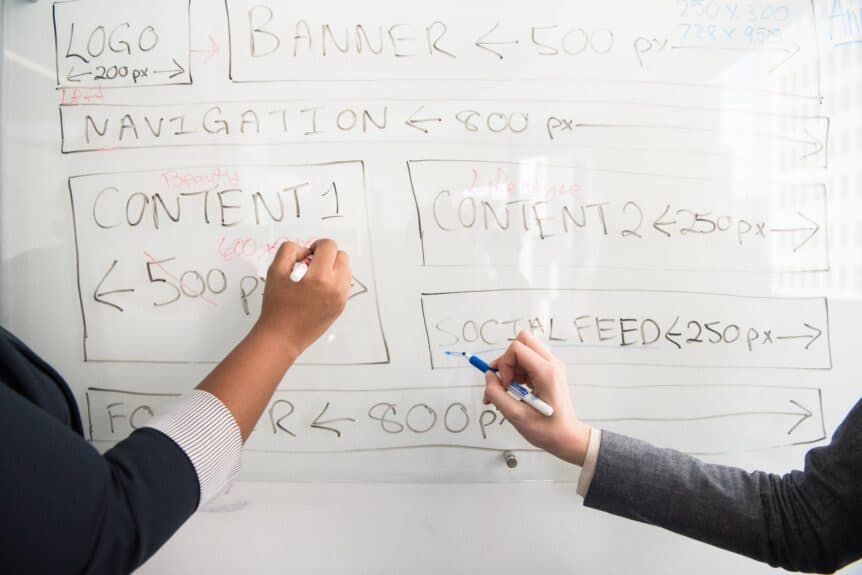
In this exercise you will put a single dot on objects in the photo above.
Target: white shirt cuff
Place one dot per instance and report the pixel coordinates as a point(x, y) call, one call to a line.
point(201, 425)
point(589, 467)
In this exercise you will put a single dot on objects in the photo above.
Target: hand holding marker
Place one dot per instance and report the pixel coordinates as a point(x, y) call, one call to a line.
point(515, 390)
point(299, 270)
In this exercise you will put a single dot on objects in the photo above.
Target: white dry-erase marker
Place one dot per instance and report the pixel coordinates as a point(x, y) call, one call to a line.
point(299, 270)
point(515, 390)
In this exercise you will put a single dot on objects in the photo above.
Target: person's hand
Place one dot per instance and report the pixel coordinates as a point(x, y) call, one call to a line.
point(295, 314)
point(527, 362)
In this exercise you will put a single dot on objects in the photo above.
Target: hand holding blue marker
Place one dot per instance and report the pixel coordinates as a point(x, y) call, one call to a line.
point(515, 390)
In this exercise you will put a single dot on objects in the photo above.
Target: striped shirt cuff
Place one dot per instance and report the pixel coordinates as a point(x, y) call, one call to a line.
point(201, 425)
point(589, 467)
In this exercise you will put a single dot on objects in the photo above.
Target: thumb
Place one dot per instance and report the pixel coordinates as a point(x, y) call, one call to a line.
point(288, 254)
point(512, 409)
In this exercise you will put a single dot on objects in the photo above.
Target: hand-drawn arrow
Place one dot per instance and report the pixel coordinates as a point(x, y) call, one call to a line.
point(100, 295)
point(802, 416)
point(790, 51)
point(658, 223)
point(790, 54)
point(812, 229)
point(211, 51)
point(812, 141)
point(483, 44)
point(72, 77)
point(808, 139)
point(357, 288)
point(174, 72)
point(811, 337)
point(317, 424)
point(805, 416)
point(414, 122)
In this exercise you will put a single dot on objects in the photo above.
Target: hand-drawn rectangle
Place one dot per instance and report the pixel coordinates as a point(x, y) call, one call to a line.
point(726, 137)
point(475, 212)
point(172, 263)
point(690, 418)
point(631, 327)
point(675, 44)
point(122, 43)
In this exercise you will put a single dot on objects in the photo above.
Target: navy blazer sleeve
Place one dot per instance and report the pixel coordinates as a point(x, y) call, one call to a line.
point(68, 509)
point(807, 520)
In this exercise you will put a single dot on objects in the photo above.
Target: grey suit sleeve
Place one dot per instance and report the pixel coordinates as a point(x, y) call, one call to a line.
point(807, 520)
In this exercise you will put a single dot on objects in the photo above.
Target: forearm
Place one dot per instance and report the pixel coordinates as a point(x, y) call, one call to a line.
point(672, 490)
point(66, 508)
point(211, 424)
point(791, 521)
point(246, 379)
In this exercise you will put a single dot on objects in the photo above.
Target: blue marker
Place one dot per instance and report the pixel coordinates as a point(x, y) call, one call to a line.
point(515, 390)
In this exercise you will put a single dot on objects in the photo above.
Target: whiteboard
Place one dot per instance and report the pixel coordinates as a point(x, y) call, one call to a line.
point(666, 195)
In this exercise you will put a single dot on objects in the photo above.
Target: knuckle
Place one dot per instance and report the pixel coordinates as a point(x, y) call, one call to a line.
point(339, 296)
point(315, 282)
point(274, 272)
point(286, 248)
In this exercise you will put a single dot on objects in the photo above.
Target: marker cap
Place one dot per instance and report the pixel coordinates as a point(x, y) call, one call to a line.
point(298, 272)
